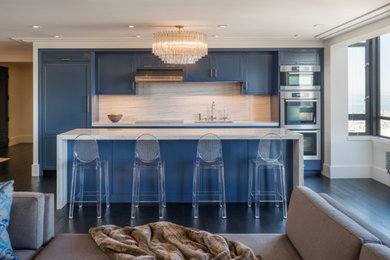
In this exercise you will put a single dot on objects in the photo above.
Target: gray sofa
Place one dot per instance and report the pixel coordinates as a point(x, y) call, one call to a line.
point(317, 227)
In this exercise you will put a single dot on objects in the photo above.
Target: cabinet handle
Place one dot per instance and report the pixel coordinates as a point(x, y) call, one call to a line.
point(132, 85)
point(211, 73)
point(148, 66)
point(246, 85)
point(64, 59)
point(215, 73)
point(87, 104)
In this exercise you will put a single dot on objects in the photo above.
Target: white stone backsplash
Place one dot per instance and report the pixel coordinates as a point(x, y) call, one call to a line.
point(183, 101)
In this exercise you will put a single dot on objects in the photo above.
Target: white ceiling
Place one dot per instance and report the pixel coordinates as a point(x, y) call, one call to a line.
point(276, 19)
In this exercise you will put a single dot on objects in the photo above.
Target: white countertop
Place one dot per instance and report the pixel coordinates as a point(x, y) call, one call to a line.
point(156, 123)
point(178, 133)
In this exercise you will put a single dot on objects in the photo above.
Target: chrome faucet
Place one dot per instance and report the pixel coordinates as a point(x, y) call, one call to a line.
point(213, 117)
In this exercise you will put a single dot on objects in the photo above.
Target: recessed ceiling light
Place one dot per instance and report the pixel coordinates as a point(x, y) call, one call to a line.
point(296, 35)
point(36, 26)
point(222, 25)
point(214, 36)
point(131, 26)
point(57, 36)
point(138, 36)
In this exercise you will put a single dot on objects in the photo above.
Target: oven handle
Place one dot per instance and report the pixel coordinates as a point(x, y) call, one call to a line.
point(295, 100)
point(301, 73)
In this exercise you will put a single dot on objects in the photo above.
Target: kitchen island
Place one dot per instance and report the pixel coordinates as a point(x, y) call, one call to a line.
point(178, 150)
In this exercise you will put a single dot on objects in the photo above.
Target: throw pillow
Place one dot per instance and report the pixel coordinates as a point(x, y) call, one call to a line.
point(6, 193)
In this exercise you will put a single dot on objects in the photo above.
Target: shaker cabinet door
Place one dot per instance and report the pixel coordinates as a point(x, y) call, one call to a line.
point(115, 73)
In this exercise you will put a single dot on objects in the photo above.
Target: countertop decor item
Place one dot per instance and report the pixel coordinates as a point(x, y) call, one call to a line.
point(179, 47)
point(115, 117)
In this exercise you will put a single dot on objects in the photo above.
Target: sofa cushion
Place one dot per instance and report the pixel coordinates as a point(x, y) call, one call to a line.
point(375, 252)
point(27, 208)
point(48, 218)
point(72, 246)
point(6, 193)
point(268, 246)
point(24, 254)
point(320, 231)
point(382, 237)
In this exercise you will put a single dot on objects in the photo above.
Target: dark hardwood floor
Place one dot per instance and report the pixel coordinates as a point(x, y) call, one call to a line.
point(367, 198)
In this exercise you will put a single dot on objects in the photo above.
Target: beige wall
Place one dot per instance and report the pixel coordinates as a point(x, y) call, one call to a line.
point(20, 89)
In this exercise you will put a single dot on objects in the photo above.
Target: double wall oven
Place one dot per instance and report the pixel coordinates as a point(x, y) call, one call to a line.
point(300, 105)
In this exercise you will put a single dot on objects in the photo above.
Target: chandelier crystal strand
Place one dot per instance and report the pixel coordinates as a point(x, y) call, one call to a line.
point(179, 47)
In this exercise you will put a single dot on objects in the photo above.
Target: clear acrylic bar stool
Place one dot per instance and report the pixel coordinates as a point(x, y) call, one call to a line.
point(209, 157)
point(269, 157)
point(86, 158)
point(147, 158)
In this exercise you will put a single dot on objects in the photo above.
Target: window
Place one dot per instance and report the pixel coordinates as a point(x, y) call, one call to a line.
point(384, 83)
point(369, 87)
point(357, 87)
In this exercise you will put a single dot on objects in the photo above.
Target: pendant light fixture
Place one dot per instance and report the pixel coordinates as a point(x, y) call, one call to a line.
point(179, 47)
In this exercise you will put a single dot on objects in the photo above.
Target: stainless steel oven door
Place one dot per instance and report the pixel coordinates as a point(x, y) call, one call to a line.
point(300, 110)
point(302, 77)
point(311, 144)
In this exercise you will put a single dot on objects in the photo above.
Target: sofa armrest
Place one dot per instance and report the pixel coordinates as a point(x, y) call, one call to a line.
point(27, 220)
point(48, 218)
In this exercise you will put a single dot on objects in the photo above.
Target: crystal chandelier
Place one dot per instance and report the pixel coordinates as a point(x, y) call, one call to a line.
point(179, 47)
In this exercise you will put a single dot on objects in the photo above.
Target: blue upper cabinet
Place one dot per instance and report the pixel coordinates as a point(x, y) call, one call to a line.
point(300, 57)
point(148, 61)
point(115, 73)
point(216, 67)
point(227, 67)
point(200, 71)
point(259, 73)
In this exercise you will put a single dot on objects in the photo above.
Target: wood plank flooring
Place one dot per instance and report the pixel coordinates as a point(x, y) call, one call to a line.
point(367, 198)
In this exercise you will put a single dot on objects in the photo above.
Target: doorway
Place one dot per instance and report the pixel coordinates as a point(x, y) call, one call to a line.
point(4, 107)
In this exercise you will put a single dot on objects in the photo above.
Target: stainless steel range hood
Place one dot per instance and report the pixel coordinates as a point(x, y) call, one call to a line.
point(159, 75)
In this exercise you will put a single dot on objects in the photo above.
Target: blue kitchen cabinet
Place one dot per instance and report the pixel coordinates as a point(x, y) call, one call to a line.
point(259, 73)
point(200, 71)
point(115, 73)
point(227, 67)
point(148, 61)
point(300, 57)
point(63, 103)
point(216, 67)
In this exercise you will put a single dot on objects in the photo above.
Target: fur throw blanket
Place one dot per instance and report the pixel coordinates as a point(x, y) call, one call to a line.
point(166, 241)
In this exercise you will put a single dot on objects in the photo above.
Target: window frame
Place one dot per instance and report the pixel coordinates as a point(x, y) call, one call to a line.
point(372, 116)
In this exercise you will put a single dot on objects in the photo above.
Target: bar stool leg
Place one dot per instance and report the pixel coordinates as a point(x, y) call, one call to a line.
point(99, 192)
point(276, 186)
point(107, 184)
point(221, 175)
point(160, 192)
point(163, 186)
point(283, 188)
point(72, 192)
point(195, 195)
point(250, 181)
point(257, 192)
point(81, 187)
point(134, 193)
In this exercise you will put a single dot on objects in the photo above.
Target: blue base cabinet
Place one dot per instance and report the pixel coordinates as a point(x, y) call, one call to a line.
point(179, 157)
point(64, 86)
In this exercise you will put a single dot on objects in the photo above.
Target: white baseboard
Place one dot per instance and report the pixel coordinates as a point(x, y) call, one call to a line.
point(347, 171)
point(35, 170)
point(380, 174)
point(20, 139)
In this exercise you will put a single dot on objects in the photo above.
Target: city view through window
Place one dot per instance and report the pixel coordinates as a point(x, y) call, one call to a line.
point(357, 90)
